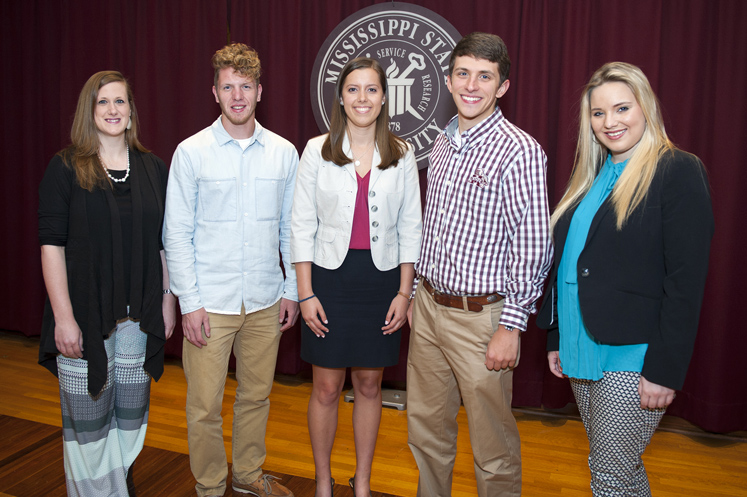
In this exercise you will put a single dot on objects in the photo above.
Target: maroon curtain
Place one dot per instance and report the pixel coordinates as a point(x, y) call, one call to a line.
point(692, 51)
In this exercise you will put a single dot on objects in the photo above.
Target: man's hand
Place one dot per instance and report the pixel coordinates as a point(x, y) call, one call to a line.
point(289, 311)
point(503, 349)
point(654, 396)
point(193, 324)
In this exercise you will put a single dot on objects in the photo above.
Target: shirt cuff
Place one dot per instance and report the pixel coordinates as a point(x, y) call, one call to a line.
point(189, 303)
point(514, 316)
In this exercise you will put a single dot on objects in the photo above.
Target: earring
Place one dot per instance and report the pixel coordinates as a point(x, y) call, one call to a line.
point(383, 101)
point(341, 102)
point(129, 123)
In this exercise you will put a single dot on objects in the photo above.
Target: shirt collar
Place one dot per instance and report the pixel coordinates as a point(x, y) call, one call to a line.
point(615, 168)
point(223, 137)
point(476, 133)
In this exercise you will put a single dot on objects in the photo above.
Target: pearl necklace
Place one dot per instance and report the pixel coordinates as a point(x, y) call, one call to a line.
point(357, 160)
point(106, 170)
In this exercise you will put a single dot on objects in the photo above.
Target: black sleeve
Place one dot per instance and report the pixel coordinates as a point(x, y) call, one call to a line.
point(687, 227)
point(163, 175)
point(55, 191)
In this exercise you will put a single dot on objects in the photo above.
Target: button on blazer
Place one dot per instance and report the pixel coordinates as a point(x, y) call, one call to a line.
point(645, 282)
point(324, 204)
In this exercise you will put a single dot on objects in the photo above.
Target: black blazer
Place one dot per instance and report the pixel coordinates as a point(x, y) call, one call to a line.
point(644, 283)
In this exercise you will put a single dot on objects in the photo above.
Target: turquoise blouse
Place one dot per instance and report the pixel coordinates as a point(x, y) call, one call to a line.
point(581, 355)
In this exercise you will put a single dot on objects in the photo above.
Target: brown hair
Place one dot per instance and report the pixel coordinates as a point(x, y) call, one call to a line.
point(391, 147)
point(241, 58)
point(82, 153)
point(483, 46)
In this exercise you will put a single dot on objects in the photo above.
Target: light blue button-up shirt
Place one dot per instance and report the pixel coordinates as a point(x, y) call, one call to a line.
point(228, 215)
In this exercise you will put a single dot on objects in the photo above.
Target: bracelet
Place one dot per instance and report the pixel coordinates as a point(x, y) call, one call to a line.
point(167, 291)
point(408, 297)
point(307, 298)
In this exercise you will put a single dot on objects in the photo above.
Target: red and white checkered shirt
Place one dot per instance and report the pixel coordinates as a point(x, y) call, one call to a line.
point(486, 227)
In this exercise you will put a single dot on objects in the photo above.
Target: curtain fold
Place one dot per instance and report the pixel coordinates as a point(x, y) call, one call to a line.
point(693, 52)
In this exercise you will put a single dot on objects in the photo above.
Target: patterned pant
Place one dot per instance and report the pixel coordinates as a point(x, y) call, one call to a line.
point(103, 435)
point(618, 430)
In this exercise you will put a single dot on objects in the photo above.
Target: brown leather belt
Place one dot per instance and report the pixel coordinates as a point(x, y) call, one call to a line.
point(474, 302)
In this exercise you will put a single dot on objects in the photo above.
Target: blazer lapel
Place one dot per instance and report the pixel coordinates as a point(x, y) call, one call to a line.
point(605, 209)
point(375, 171)
point(350, 167)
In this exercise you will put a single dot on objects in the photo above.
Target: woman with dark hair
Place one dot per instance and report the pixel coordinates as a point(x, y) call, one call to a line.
point(109, 310)
point(355, 234)
point(632, 237)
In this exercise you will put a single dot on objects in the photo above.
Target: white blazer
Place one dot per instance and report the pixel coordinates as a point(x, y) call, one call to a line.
point(324, 204)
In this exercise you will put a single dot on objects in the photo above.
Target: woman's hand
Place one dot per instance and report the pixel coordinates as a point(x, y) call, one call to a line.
point(397, 314)
point(553, 360)
point(314, 316)
point(654, 396)
point(168, 310)
point(69, 339)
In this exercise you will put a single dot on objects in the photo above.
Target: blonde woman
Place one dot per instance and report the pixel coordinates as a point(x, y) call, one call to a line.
point(632, 236)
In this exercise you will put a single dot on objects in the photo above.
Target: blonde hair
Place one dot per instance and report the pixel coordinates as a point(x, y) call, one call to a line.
point(241, 58)
point(633, 185)
point(82, 153)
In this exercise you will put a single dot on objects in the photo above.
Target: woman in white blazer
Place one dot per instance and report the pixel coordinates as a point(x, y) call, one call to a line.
point(355, 236)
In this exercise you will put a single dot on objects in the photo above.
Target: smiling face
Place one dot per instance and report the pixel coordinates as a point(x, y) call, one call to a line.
point(616, 119)
point(238, 96)
point(362, 98)
point(475, 84)
point(111, 112)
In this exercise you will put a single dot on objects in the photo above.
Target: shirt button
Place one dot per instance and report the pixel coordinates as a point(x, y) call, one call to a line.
point(585, 272)
point(372, 194)
point(433, 266)
point(245, 273)
point(374, 238)
point(246, 214)
point(442, 211)
point(217, 182)
point(375, 224)
point(374, 208)
point(246, 243)
point(244, 184)
point(448, 182)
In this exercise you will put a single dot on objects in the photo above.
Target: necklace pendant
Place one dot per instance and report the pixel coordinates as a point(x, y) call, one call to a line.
point(357, 163)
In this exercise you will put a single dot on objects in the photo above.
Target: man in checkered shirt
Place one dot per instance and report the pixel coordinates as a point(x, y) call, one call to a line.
point(485, 254)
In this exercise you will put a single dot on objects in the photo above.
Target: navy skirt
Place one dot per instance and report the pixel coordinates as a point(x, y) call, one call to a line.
point(356, 298)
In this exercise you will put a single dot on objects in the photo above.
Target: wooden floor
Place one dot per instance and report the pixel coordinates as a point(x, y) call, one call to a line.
point(554, 448)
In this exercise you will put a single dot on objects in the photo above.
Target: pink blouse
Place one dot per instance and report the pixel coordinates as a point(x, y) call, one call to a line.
point(359, 237)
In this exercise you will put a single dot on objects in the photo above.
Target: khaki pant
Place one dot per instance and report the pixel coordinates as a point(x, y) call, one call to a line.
point(446, 363)
point(254, 338)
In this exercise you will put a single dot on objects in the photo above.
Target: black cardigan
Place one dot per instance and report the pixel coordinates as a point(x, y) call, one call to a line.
point(644, 283)
point(87, 224)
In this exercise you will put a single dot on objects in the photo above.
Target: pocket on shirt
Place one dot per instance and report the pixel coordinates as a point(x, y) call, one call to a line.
point(268, 193)
point(324, 243)
point(219, 199)
point(331, 177)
